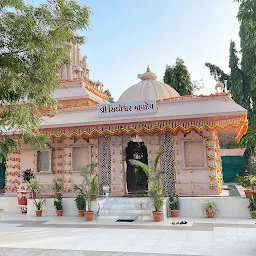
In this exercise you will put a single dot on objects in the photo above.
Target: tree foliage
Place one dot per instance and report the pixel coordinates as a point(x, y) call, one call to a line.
point(34, 42)
point(218, 74)
point(242, 79)
point(179, 78)
point(110, 97)
point(247, 19)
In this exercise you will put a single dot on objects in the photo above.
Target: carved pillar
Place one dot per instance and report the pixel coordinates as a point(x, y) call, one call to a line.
point(117, 181)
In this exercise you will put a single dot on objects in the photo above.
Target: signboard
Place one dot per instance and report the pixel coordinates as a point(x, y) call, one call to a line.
point(127, 108)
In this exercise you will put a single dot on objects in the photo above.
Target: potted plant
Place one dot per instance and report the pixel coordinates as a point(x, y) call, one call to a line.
point(22, 191)
point(174, 204)
point(155, 185)
point(88, 187)
point(58, 205)
point(57, 188)
point(34, 188)
point(252, 206)
point(80, 204)
point(248, 183)
point(39, 206)
point(210, 208)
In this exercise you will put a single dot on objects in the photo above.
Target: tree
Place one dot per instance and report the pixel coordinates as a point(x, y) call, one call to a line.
point(34, 42)
point(237, 79)
point(178, 77)
point(110, 97)
point(218, 74)
point(247, 19)
point(242, 78)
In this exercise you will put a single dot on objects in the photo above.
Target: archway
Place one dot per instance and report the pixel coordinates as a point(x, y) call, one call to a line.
point(135, 176)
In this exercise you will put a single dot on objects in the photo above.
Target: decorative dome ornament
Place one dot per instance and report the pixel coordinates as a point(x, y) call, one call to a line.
point(219, 87)
point(148, 89)
point(148, 75)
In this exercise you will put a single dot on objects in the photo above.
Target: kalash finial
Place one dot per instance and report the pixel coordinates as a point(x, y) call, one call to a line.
point(148, 75)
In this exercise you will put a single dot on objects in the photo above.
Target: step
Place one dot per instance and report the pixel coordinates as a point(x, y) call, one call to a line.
point(135, 206)
point(125, 211)
point(124, 217)
point(128, 200)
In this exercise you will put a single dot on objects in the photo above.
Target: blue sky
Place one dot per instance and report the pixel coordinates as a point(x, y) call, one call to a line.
point(126, 35)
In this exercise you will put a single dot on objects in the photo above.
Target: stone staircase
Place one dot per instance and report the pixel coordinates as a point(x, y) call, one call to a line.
point(126, 208)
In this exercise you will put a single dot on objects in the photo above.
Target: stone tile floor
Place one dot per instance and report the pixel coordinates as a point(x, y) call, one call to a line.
point(22, 235)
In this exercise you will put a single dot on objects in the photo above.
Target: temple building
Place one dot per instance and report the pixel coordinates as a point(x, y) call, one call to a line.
point(149, 117)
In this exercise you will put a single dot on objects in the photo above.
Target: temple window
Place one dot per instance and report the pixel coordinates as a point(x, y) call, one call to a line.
point(80, 156)
point(44, 161)
point(194, 154)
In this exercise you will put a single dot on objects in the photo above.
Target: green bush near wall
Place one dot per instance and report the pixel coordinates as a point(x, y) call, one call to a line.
point(231, 166)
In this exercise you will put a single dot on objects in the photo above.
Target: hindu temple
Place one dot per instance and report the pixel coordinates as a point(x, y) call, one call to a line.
point(149, 117)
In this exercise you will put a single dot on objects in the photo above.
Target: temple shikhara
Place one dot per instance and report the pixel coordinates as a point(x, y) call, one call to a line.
point(149, 117)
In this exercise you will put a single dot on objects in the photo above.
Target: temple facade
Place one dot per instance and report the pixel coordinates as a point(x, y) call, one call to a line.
point(149, 117)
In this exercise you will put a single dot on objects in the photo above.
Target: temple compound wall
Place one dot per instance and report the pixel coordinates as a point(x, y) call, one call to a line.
point(191, 162)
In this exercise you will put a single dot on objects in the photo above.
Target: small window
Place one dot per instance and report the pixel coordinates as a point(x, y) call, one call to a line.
point(43, 161)
point(197, 154)
point(80, 156)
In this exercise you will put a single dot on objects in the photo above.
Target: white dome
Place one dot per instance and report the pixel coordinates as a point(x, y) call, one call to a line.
point(148, 89)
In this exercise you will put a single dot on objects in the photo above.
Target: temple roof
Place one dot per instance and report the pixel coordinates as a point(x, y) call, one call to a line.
point(148, 89)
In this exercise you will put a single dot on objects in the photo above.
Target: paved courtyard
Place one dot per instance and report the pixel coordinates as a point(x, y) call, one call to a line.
point(22, 235)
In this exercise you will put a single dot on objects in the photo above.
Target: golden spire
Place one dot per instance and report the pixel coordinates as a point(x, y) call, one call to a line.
point(148, 69)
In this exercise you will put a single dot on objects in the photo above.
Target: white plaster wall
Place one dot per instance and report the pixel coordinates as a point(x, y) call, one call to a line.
point(9, 203)
point(229, 207)
point(169, 110)
point(69, 207)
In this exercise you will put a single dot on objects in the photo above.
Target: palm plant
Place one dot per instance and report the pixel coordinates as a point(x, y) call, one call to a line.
point(34, 187)
point(89, 185)
point(210, 208)
point(57, 186)
point(58, 203)
point(39, 203)
point(247, 182)
point(155, 180)
point(174, 202)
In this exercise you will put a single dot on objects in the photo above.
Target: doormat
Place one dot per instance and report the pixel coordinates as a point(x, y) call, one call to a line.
point(120, 220)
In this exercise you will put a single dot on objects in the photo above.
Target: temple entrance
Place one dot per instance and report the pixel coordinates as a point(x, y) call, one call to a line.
point(136, 178)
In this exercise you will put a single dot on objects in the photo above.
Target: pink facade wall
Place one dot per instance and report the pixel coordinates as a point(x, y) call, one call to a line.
point(190, 180)
point(202, 180)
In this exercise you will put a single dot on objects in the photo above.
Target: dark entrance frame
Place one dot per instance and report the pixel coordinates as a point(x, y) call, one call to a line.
point(135, 177)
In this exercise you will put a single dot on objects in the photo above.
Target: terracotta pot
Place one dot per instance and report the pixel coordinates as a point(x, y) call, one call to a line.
point(157, 216)
point(59, 212)
point(39, 213)
point(88, 215)
point(23, 196)
point(252, 213)
point(175, 213)
point(210, 214)
point(80, 212)
point(33, 195)
point(93, 197)
point(248, 193)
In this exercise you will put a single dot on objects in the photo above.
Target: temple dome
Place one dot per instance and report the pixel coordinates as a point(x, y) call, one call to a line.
point(148, 89)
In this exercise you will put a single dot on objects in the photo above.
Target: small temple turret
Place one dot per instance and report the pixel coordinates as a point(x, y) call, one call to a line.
point(78, 67)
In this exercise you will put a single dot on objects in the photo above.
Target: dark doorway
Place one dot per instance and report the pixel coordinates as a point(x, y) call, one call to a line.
point(2, 177)
point(136, 178)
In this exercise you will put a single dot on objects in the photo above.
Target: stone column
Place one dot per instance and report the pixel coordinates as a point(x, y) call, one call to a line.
point(117, 181)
